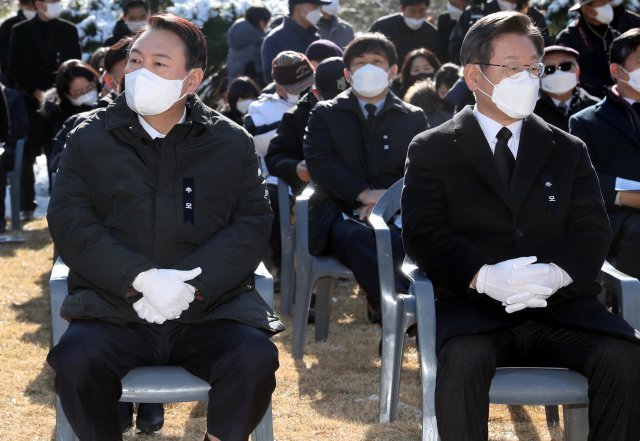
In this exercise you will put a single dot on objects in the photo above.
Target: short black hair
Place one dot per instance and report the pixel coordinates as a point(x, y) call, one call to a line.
point(405, 3)
point(241, 87)
point(370, 43)
point(192, 37)
point(256, 14)
point(128, 4)
point(623, 45)
point(448, 74)
point(477, 46)
point(117, 52)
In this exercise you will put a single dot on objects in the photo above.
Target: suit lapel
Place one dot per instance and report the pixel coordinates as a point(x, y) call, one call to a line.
point(474, 146)
point(536, 143)
point(615, 115)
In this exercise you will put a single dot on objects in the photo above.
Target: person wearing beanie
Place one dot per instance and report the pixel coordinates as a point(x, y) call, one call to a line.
point(320, 50)
point(296, 32)
point(331, 27)
point(560, 94)
point(293, 74)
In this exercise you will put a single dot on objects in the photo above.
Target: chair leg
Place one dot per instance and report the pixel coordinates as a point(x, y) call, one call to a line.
point(553, 416)
point(63, 429)
point(576, 422)
point(304, 285)
point(264, 430)
point(287, 274)
point(323, 307)
point(391, 365)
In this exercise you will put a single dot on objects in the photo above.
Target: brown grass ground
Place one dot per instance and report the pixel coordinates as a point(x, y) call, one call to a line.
point(330, 395)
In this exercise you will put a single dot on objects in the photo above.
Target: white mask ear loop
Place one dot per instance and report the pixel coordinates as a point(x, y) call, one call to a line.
point(485, 77)
point(183, 80)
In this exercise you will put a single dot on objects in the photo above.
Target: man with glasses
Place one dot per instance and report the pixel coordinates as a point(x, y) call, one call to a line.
point(561, 96)
point(611, 130)
point(503, 212)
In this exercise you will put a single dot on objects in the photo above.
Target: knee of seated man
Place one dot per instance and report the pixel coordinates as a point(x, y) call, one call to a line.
point(257, 355)
point(619, 360)
point(469, 351)
point(73, 355)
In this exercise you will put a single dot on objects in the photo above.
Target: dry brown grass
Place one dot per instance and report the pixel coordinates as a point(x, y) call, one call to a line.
point(330, 395)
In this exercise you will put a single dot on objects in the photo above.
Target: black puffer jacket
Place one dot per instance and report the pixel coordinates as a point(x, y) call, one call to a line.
point(119, 207)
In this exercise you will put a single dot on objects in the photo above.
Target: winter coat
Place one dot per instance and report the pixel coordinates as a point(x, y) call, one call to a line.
point(244, 41)
point(120, 30)
point(552, 114)
point(336, 30)
point(124, 203)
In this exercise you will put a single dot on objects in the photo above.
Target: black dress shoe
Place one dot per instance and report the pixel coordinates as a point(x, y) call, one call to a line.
point(150, 417)
point(126, 416)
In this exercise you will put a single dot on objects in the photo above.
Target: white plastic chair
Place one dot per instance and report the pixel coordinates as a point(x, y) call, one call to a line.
point(151, 384)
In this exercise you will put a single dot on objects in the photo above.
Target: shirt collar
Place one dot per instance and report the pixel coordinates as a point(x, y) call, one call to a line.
point(490, 128)
point(378, 105)
point(153, 133)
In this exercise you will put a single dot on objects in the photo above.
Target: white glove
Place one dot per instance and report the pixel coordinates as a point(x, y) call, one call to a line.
point(555, 279)
point(525, 301)
point(147, 312)
point(166, 290)
point(493, 279)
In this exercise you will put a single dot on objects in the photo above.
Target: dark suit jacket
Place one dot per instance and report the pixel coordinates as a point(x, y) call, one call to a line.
point(458, 216)
point(611, 131)
point(548, 111)
point(343, 160)
point(36, 50)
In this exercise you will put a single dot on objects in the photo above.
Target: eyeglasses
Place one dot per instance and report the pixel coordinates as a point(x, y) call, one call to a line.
point(550, 69)
point(514, 70)
point(74, 95)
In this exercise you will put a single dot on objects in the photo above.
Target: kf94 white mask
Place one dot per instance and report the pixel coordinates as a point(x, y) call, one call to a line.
point(370, 80)
point(150, 94)
point(515, 97)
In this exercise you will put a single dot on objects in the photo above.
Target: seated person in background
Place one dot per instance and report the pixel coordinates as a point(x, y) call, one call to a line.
point(285, 157)
point(486, 196)
point(244, 39)
point(162, 218)
point(241, 93)
point(591, 34)
point(423, 94)
point(135, 14)
point(623, 18)
point(446, 77)
point(355, 148)
point(419, 64)
point(561, 96)
point(447, 21)
point(331, 27)
point(611, 130)
point(409, 28)
point(321, 50)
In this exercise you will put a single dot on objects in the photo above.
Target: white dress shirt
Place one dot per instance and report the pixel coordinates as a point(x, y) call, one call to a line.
point(490, 128)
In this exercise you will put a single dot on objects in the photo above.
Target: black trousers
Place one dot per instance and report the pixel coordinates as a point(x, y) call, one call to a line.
point(355, 246)
point(466, 365)
point(626, 246)
point(239, 361)
point(3, 194)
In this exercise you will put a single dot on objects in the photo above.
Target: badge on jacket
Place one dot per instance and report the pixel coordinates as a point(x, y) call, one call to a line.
point(188, 197)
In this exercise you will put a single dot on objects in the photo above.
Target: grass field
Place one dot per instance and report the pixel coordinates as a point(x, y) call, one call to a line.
point(330, 395)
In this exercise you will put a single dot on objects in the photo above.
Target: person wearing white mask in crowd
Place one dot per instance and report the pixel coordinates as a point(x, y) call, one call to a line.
point(331, 27)
point(409, 29)
point(591, 34)
point(355, 147)
point(26, 11)
point(447, 22)
point(296, 32)
point(161, 216)
point(33, 72)
point(611, 131)
point(239, 95)
point(560, 93)
point(504, 213)
point(135, 14)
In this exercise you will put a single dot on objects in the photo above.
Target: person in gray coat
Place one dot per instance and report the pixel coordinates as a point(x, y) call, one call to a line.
point(331, 27)
point(162, 217)
point(244, 39)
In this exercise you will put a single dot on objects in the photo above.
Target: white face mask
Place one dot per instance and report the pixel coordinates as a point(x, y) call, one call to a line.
point(87, 99)
point(634, 78)
point(506, 5)
point(53, 10)
point(515, 97)
point(560, 82)
point(293, 98)
point(454, 12)
point(332, 9)
point(604, 14)
point(370, 80)
point(314, 16)
point(29, 14)
point(150, 94)
point(135, 26)
point(413, 23)
point(243, 105)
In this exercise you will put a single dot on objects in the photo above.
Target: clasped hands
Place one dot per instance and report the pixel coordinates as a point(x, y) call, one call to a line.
point(521, 283)
point(165, 293)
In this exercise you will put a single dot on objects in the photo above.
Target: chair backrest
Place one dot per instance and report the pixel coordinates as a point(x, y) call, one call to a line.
point(283, 206)
point(302, 222)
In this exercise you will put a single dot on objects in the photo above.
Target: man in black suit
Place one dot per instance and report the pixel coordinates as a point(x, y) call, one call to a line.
point(611, 130)
point(477, 221)
point(561, 96)
point(355, 147)
point(26, 11)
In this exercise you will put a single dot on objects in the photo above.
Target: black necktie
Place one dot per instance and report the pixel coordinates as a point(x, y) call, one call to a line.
point(563, 108)
point(503, 156)
point(371, 115)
